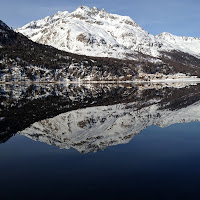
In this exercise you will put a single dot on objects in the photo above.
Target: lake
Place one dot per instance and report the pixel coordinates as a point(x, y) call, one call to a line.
point(100, 141)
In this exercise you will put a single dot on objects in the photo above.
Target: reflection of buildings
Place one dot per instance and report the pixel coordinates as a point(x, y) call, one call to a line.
point(93, 117)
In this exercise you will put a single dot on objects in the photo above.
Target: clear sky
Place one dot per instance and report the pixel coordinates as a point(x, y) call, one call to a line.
point(179, 17)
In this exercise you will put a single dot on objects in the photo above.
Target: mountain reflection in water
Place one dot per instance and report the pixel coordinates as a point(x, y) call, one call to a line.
point(92, 117)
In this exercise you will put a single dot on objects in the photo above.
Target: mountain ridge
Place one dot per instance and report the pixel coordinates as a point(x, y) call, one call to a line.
point(96, 32)
point(186, 44)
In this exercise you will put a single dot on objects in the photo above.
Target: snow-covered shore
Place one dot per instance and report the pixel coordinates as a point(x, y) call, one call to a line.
point(182, 80)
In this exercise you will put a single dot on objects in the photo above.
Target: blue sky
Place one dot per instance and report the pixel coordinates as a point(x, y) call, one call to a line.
point(179, 17)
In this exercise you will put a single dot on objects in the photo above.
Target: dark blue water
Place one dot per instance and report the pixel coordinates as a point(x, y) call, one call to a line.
point(158, 163)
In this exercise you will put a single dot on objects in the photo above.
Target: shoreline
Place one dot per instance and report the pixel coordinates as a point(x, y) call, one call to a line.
point(180, 80)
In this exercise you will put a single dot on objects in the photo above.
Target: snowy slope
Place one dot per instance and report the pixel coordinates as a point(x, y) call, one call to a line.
point(95, 128)
point(95, 33)
point(189, 45)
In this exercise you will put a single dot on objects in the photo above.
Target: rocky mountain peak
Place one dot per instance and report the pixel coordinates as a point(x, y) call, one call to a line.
point(95, 10)
point(166, 35)
point(85, 10)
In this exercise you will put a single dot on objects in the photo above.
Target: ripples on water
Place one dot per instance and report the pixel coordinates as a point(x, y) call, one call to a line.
point(62, 141)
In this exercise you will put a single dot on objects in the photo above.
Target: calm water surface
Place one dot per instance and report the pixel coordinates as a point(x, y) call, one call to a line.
point(100, 142)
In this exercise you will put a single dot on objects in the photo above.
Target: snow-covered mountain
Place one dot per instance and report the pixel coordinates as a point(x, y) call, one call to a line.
point(93, 32)
point(189, 45)
point(96, 32)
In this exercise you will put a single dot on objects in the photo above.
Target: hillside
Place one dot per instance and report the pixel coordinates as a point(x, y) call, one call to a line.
point(24, 60)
